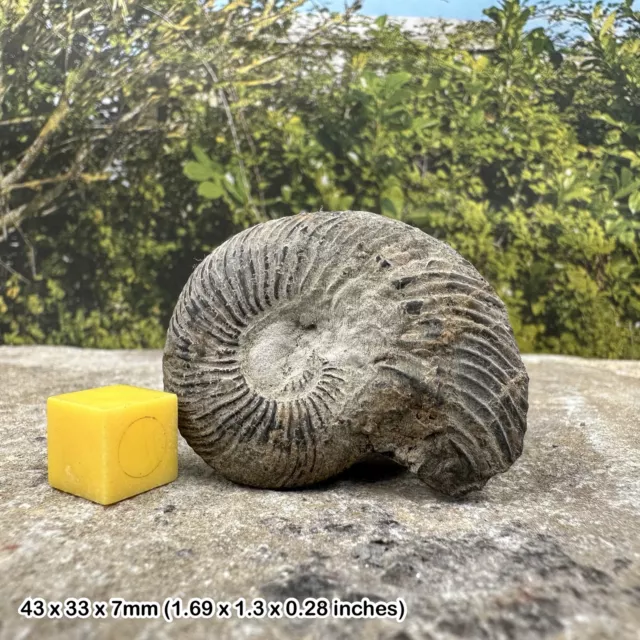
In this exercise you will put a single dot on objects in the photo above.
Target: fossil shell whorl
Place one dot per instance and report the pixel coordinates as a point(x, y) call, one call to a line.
point(303, 344)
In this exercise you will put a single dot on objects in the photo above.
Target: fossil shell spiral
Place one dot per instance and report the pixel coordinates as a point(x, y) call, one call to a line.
point(303, 344)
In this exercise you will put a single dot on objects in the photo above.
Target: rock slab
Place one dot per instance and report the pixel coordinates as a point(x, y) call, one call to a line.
point(549, 550)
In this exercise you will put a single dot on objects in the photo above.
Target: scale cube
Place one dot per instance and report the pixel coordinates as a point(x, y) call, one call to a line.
point(111, 443)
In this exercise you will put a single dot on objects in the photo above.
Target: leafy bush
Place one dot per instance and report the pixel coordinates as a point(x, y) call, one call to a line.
point(486, 152)
point(524, 158)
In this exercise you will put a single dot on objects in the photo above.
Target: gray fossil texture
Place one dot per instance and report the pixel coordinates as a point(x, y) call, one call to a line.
point(305, 344)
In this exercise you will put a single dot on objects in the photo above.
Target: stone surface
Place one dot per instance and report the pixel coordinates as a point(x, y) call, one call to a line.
point(307, 343)
point(550, 549)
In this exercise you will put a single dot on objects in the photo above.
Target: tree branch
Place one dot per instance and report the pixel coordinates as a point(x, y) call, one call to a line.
point(15, 216)
point(32, 153)
point(25, 119)
point(11, 270)
point(63, 177)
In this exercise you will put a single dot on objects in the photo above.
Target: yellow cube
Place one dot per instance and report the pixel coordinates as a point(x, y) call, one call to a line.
point(111, 443)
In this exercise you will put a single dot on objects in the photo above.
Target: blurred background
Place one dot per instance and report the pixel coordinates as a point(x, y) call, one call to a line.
point(135, 137)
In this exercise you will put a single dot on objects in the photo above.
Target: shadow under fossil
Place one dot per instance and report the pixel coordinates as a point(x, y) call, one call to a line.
point(375, 469)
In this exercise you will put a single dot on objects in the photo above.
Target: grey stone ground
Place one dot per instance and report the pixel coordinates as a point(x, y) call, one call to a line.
point(550, 549)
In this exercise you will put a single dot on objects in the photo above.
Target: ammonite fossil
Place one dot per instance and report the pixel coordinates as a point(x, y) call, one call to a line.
point(303, 344)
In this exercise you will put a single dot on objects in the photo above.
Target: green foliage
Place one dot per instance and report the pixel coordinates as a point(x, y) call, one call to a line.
point(525, 158)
